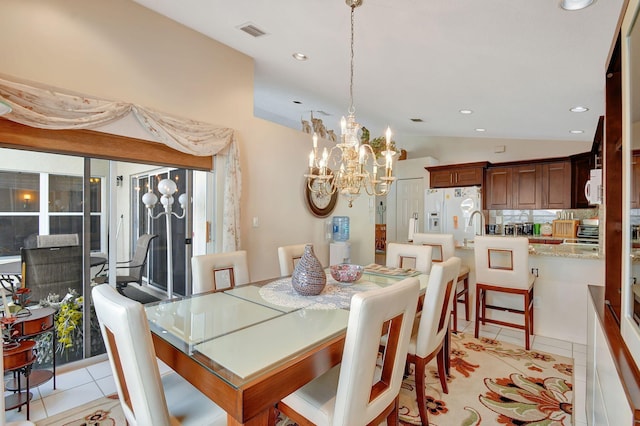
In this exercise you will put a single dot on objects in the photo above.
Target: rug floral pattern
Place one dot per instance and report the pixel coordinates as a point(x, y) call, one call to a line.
point(494, 382)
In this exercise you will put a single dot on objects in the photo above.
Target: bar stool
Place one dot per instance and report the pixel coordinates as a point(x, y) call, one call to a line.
point(443, 248)
point(502, 265)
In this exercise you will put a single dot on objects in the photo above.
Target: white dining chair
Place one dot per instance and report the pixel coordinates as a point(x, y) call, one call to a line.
point(357, 392)
point(502, 266)
point(219, 271)
point(443, 247)
point(411, 256)
point(428, 340)
point(288, 257)
point(146, 397)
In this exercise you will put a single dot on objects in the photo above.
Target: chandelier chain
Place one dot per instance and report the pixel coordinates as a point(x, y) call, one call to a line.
point(352, 109)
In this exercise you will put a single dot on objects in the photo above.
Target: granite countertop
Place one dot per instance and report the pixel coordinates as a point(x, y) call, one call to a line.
point(576, 251)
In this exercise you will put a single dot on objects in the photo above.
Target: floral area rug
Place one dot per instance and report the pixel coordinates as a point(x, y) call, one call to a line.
point(492, 383)
point(101, 412)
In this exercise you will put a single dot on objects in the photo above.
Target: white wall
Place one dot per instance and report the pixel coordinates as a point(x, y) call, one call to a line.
point(119, 50)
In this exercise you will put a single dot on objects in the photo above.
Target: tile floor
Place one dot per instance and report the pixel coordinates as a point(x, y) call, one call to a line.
point(87, 383)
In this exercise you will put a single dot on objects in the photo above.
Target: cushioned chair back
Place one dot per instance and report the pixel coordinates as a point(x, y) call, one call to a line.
point(413, 256)
point(52, 270)
point(434, 318)
point(126, 335)
point(218, 271)
point(357, 400)
point(57, 240)
point(442, 245)
point(288, 257)
point(139, 259)
point(502, 261)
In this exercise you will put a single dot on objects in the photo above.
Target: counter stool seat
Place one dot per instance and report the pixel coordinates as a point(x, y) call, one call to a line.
point(502, 266)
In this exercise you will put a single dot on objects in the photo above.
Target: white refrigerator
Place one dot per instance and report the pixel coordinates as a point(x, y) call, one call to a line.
point(448, 210)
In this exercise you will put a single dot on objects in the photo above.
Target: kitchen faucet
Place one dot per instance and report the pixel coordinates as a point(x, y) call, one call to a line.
point(481, 221)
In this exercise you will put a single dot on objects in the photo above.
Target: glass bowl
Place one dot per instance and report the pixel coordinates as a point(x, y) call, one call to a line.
point(346, 272)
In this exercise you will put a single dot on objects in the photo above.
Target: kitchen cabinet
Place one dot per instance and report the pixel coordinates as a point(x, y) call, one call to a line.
point(581, 165)
point(538, 185)
point(498, 188)
point(527, 186)
point(469, 174)
point(556, 185)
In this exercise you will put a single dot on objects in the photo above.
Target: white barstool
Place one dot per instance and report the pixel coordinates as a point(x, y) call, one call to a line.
point(502, 265)
point(443, 248)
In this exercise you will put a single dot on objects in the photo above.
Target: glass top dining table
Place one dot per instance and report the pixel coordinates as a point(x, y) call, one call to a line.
point(242, 340)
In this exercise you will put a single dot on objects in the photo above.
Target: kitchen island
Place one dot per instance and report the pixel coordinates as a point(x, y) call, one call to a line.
point(560, 292)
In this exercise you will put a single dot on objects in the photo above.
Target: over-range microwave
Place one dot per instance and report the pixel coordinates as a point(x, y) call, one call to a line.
point(593, 187)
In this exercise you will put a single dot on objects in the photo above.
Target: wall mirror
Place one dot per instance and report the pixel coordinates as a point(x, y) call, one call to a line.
point(630, 321)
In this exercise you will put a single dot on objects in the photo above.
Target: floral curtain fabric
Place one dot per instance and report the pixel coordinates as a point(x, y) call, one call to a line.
point(50, 108)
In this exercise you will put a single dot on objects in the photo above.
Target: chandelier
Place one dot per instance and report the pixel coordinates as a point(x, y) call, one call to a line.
point(350, 166)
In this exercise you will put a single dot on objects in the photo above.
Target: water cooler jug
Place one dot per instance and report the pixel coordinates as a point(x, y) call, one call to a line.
point(340, 248)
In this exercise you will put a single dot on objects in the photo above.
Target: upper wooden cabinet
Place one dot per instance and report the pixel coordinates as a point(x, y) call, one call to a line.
point(556, 185)
point(529, 186)
point(469, 174)
point(498, 189)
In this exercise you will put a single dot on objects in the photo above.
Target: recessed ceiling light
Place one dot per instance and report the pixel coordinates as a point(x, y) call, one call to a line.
point(579, 109)
point(575, 4)
point(480, 129)
point(576, 132)
point(466, 111)
point(300, 56)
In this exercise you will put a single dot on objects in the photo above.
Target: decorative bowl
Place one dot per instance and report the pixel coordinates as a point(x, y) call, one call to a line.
point(346, 272)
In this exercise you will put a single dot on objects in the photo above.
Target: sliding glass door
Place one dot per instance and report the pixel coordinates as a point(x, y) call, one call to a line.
point(154, 221)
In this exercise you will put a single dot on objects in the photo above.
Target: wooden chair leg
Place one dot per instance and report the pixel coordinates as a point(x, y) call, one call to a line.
point(532, 311)
point(420, 395)
point(454, 322)
point(393, 419)
point(527, 319)
point(478, 297)
point(442, 369)
point(467, 307)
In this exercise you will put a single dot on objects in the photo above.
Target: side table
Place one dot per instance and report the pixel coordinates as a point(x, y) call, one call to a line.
point(19, 357)
point(30, 324)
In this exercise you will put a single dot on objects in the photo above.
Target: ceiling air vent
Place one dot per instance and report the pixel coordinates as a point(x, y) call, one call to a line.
point(416, 120)
point(252, 30)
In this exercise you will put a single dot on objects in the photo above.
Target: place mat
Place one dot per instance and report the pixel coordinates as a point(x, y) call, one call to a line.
point(335, 295)
point(374, 268)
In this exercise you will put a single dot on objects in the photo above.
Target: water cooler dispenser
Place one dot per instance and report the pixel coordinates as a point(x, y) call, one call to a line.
point(340, 248)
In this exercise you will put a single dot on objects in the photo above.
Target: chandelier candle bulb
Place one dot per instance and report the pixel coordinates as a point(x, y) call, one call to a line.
point(388, 138)
point(315, 140)
point(311, 162)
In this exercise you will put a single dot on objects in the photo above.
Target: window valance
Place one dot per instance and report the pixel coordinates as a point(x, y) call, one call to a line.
point(47, 107)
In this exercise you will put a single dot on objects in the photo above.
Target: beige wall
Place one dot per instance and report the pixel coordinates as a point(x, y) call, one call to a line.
point(122, 51)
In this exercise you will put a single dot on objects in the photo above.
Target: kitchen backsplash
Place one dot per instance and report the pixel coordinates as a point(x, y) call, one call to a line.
point(539, 216)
